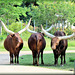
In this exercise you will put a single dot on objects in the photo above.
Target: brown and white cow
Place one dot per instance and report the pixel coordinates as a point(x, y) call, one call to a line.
point(13, 43)
point(37, 43)
point(58, 44)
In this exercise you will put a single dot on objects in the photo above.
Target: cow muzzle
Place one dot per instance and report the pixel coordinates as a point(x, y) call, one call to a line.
point(53, 47)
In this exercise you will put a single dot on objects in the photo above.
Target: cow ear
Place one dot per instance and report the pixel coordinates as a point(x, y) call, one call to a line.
point(13, 35)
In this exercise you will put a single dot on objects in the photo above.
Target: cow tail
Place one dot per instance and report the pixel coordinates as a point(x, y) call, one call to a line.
point(36, 42)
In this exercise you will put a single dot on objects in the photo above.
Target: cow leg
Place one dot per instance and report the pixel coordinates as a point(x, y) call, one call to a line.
point(42, 58)
point(18, 59)
point(15, 59)
point(33, 61)
point(64, 58)
point(11, 58)
point(56, 60)
point(38, 59)
point(61, 60)
point(33, 58)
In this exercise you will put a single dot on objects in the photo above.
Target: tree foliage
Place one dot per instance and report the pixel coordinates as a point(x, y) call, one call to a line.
point(46, 12)
point(11, 9)
point(41, 11)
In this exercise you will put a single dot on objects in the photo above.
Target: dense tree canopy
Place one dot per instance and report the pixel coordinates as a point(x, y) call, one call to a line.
point(11, 9)
point(48, 11)
point(40, 11)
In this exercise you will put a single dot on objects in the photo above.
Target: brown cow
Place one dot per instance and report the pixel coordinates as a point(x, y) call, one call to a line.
point(59, 47)
point(58, 44)
point(36, 43)
point(13, 43)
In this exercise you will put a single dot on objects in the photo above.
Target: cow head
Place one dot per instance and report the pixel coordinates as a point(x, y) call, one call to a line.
point(54, 42)
point(16, 38)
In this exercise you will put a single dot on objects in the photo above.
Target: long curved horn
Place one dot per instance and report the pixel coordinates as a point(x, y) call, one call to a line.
point(46, 33)
point(66, 37)
point(50, 28)
point(31, 31)
point(60, 38)
point(7, 30)
point(25, 27)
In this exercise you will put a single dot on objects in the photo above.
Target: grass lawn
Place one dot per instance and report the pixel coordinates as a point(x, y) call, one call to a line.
point(49, 61)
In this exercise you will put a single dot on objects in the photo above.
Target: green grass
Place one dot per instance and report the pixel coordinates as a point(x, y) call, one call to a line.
point(49, 61)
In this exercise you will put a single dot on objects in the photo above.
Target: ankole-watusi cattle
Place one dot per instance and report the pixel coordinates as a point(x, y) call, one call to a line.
point(13, 43)
point(37, 43)
point(58, 44)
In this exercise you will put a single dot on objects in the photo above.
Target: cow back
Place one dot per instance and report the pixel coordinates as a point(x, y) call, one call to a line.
point(36, 41)
point(13, 43)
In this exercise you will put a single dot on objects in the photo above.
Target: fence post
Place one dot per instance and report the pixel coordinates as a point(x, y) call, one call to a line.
point(69, 25)
point(21, 28)
point(46, 25)
point(55, 25)
point(62, 25)
point(7, 25)
point(34, 25)
point(59, 24)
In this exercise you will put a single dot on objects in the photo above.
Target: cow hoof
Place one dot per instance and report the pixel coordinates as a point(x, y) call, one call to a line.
point(33, 64)
point(42, 63)
point(17, 64)
point(37, 65)
point(62, 65)
point(11, 63)
point(55, 64)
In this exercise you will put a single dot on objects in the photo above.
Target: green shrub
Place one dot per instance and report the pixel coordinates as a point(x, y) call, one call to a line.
point(68, 31)
point(1, 38)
